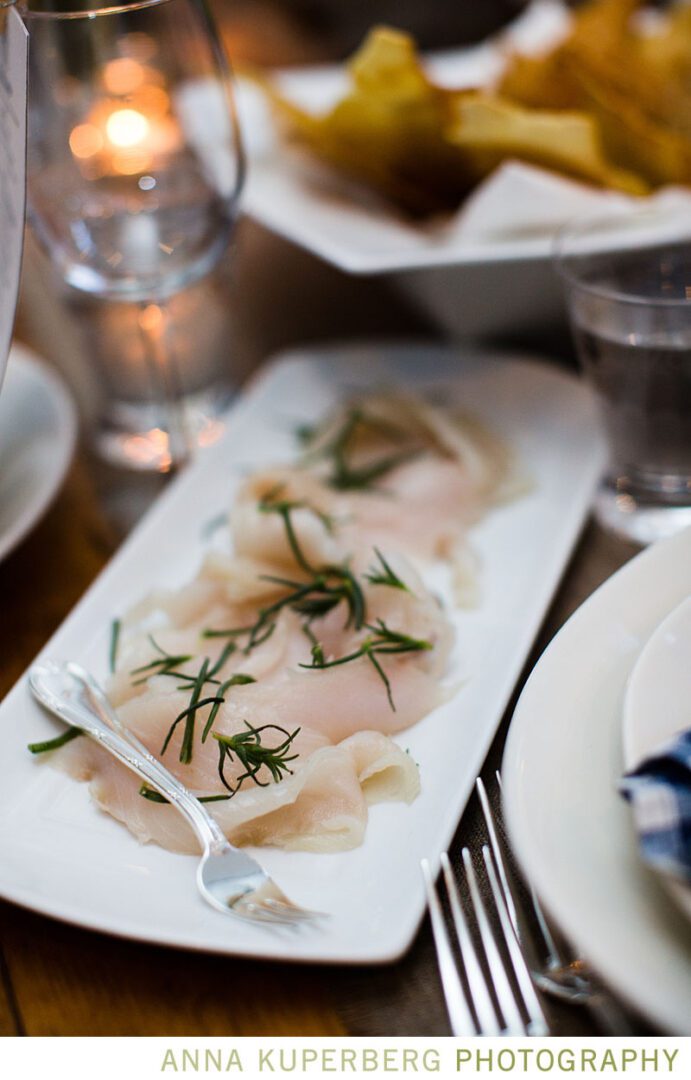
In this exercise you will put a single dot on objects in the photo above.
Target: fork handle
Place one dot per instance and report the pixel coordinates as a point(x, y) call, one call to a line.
point(82, 713)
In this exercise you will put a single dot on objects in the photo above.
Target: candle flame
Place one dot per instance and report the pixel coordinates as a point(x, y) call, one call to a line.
point(127, 128)
point(127, 132)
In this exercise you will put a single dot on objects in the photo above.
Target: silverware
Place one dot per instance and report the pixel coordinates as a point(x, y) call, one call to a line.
point(497, 996)
point(228, 878)
point(555, 969)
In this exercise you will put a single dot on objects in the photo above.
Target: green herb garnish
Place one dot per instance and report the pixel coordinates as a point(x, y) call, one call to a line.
point(380, 641)
point(271, 503)
point(384, 575)
point(240, 631)
point(314, 598)
point(344, 475)
point(197, 702)
point(115, 627)
point(189, 714)
point(57, 742)
point(152, 795)
point(236, 680)
point(227, 652)
point(248, 748)
point(349, 478)
point(164, 665)
point(324, 590)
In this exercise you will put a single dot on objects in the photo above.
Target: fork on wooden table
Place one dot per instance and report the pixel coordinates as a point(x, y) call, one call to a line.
point(498, 997)
point(494, 998)
point(556, 970)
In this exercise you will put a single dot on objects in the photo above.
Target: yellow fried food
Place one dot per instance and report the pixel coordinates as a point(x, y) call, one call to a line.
point(389, 128)
point(490, 129)
point(609, 105)
point(633, 82)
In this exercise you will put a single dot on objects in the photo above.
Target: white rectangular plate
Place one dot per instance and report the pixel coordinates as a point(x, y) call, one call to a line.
point(62, 856)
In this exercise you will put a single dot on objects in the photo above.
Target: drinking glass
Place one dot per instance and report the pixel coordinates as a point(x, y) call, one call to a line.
point(627, 281)
point(135, 166)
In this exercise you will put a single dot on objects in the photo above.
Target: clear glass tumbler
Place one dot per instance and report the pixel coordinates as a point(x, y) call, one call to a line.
point(627, 281)
point(135, 166)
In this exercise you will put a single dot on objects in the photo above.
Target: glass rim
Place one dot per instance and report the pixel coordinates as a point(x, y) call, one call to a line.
point(85, 13)
point(605, 292)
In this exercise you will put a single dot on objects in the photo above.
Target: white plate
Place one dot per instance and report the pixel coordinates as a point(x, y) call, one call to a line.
point(657, 706)
point(572, 831)
point(61, 856)
point(38, 428)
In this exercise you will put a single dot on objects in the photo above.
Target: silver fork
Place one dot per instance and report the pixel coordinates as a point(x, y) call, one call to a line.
point(499, 998)
point(555, 971)
point(228, 878)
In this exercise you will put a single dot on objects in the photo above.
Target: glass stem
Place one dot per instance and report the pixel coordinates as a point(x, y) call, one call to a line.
point(154, 325)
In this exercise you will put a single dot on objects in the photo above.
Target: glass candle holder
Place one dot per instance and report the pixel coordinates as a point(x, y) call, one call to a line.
point(135, 166)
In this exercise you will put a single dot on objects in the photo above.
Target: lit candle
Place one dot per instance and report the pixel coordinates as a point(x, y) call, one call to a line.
point(131, 128)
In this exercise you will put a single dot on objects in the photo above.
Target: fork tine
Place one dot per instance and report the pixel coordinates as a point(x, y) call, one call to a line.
point(537, 1021)
point(257, 912)
point(554, 953)
point(482, 1002)
point(513, 1021)
point(497, 852)
point(291, 911)
point(460, 1017)
point(547, 947)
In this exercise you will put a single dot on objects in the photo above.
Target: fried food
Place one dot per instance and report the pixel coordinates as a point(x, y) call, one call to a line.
point(389, 129)
point(633, 79)
point(491, 129)
point(609, 105)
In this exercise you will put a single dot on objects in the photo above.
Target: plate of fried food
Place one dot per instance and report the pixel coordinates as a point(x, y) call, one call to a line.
point(411, 165)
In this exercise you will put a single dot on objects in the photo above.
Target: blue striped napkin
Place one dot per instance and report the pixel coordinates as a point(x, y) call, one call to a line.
point(659, 791)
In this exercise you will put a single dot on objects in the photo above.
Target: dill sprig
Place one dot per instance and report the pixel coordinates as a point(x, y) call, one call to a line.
point(381, 641)
point(384, 575)
point(222, 660)
point(165, 664)
point(317, 649)
point(56, 743)
point(254, 635)
point(325, 588)
point(235, 680)
point(152, 795)
point(115, 628)
point(323, 591)
point(350, 478)
point(253, 755)
point(271, 503)
point(188, 716)
point(344, 475)
point(312, 599)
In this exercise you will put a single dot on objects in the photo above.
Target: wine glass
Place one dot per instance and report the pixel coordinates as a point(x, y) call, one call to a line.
point(135, 166)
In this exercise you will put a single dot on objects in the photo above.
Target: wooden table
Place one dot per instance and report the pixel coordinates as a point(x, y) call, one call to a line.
point(57, 979)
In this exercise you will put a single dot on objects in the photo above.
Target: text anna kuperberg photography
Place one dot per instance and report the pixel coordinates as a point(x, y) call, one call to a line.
point(461, 1059)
